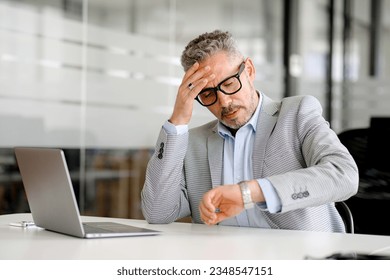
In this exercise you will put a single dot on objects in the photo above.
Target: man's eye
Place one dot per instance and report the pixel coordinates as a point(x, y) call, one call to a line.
point(208, 94)
point(229, 83)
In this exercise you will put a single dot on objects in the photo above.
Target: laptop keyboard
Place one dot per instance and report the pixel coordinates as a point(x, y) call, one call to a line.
point(102, 227)
point(99, 227)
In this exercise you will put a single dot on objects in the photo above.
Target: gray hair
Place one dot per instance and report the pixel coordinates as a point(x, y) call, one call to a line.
point(208, 44)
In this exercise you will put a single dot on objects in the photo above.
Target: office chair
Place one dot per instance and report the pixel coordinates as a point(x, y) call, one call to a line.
point(373, 196)
point(356, 141)
point(346, 215)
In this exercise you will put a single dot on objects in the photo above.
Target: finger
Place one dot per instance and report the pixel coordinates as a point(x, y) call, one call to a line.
point(210, 206)
point(207, 208)
point(209, 200)
point(195, 73)
point(191, 70)
point(197, 87)
point(206, 215)
point(193, 77)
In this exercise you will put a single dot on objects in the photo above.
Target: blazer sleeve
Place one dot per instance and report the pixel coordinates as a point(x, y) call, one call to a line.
point(328, 172)
point(164, 195)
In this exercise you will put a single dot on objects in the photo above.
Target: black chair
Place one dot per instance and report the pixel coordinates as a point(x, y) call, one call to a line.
point(346, 215)
point(373, 197)
point(356, 141)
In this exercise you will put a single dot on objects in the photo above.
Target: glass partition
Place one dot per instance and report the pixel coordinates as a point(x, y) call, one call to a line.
point(98, 79)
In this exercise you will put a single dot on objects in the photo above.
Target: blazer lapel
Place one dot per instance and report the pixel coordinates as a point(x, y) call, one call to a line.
point(265, 124)
point(215, 156)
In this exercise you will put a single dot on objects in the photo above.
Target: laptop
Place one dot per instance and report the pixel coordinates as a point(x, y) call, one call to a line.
point(51, 197)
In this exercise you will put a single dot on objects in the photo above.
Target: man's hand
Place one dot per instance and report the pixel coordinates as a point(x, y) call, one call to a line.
point(225, 201)
point(198, 78)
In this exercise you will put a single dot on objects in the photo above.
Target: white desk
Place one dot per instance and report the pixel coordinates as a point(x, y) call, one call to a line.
point(181, 241)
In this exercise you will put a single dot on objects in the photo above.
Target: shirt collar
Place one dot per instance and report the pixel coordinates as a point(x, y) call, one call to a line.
point(223, 131)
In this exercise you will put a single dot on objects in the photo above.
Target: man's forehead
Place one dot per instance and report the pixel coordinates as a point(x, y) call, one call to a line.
point(221, 65)
point(218, 58)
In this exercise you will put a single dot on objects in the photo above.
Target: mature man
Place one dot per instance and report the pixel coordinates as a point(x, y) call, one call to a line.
point(262, 163)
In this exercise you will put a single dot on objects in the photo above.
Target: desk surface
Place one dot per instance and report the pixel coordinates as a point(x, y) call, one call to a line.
point(182, 241)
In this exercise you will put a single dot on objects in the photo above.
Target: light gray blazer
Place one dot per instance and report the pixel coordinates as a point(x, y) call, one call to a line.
point(294, 149)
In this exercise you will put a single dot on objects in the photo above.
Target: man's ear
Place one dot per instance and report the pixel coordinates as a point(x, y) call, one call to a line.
point(250, 69)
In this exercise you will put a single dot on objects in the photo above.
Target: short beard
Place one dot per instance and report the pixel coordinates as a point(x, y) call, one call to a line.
point(236, 124)
point(233, 124)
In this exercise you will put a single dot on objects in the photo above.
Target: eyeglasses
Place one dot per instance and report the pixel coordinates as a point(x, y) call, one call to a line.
point(229, 86)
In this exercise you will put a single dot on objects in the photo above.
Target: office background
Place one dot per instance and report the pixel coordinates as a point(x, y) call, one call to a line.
point(98, 78)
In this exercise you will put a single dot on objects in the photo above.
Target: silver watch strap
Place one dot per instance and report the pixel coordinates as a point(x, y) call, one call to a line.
point(246, 195)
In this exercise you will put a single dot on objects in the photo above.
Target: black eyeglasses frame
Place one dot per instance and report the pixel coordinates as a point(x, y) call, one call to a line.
point(218, 87)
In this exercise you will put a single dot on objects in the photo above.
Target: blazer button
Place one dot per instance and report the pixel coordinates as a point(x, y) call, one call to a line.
point(306, 194)
point(294, 196)
point(161, 151)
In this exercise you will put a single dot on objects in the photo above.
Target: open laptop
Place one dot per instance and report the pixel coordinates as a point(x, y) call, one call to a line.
point(51, 197)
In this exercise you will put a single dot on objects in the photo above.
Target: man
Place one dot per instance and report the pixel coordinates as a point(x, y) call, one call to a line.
point(262, 163)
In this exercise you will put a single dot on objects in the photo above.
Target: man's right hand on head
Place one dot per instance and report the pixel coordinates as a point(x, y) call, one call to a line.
point(194, 80)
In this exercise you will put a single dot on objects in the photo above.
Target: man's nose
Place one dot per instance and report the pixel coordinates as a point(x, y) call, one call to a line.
point(223, 99)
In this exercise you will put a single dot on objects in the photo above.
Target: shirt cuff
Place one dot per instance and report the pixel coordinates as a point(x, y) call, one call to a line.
point(272, 200)
point(170, 128)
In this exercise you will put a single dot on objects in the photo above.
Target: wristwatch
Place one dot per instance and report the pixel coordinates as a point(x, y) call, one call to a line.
point(246, 195)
